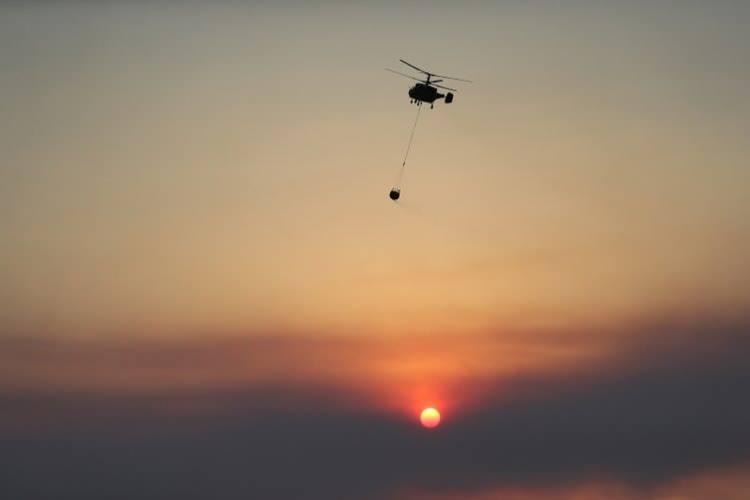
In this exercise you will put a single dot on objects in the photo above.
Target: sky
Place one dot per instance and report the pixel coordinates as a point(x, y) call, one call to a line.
point(206, 292)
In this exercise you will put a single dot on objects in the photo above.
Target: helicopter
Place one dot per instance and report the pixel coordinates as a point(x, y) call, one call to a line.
point(426, 90)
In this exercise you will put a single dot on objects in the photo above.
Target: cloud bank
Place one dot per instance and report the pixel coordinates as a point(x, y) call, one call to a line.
point(650, 414)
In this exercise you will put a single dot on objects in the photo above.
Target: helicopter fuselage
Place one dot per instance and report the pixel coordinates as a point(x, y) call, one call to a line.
point(424, 93)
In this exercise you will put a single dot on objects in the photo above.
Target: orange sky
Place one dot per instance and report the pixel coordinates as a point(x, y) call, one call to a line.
point(170, 170)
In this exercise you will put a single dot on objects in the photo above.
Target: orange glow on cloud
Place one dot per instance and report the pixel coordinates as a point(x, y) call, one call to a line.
point(398, 375)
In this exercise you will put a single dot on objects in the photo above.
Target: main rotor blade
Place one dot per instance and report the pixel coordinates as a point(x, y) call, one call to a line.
point(433, 74)
point(446, 88)
point(452, 78)
point(418, 69)
point(403, 74)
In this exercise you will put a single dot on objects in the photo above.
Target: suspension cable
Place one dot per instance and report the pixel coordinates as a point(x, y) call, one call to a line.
point(408, 147)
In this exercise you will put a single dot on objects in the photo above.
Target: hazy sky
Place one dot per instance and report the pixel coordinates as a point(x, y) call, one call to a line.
point(193, 202)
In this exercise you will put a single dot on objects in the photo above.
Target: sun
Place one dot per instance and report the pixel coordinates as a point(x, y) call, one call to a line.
point(430, 418)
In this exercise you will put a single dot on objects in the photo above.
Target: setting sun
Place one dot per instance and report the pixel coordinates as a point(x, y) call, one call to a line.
point(430, 418)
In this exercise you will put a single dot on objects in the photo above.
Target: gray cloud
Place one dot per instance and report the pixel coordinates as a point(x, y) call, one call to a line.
point(654, 414)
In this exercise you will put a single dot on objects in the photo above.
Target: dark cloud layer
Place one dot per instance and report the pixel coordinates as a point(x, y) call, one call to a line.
point(653, 414)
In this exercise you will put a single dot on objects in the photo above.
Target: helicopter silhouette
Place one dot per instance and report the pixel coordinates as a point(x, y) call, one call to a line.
point(427, 89)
